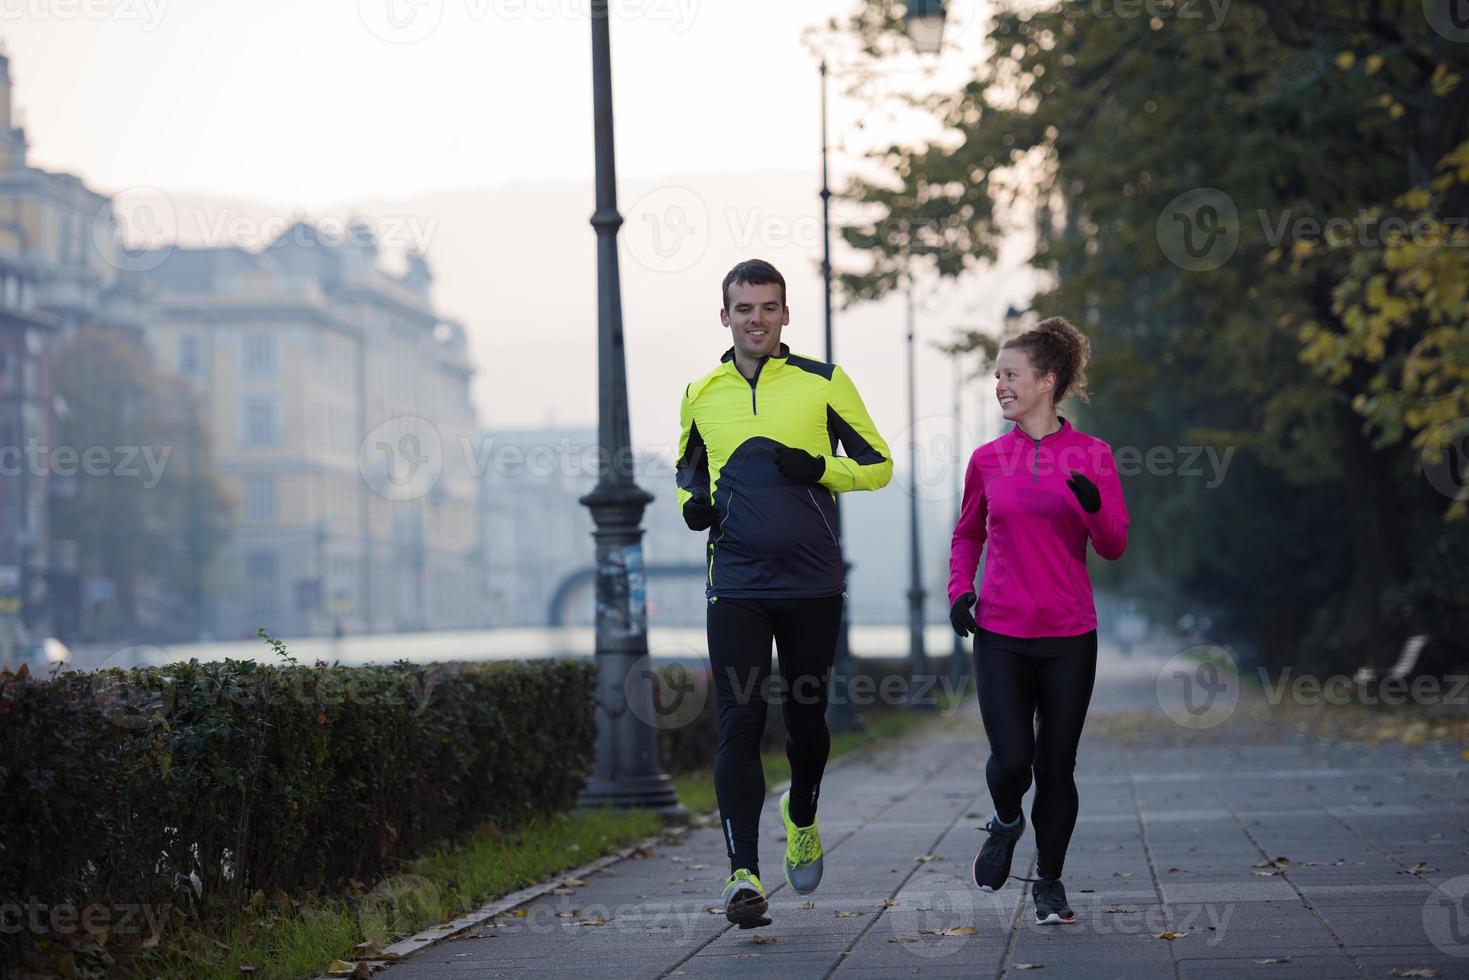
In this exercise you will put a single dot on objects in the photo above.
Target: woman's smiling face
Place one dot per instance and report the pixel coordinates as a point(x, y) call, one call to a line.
point(1017, 389)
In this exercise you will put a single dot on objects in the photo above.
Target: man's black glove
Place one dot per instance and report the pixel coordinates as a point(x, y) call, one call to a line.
point(699, 514)
point(960, 615)
point(799, 466)
point(1086, 492)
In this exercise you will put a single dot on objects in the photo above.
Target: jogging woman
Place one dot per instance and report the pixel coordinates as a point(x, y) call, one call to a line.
point(1035, 495)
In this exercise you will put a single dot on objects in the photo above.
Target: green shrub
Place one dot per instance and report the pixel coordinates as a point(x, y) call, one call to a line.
point(182, 787)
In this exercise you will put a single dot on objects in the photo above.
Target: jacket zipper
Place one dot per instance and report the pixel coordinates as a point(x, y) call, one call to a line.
point(754, 410)
point(1035, 462)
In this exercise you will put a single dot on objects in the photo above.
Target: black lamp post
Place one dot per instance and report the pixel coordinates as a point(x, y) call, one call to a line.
point(841, 714)
point(917, 655)
point(924, 20)
point(959, 655)
point(925, 24)
point(626, 771)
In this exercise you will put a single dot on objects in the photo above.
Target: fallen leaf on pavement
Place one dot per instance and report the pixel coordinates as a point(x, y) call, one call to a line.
point(1169, 935)
point(951, 931)
point(806, 905)
point(1275, 959)
point(1422, 972)
point(844, 915)
point(763, 940)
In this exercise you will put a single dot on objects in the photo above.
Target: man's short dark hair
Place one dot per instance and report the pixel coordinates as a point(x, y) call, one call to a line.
point(754, 272)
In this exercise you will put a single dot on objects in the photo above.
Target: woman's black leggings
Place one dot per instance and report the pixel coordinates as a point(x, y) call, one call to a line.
point(740, 632)
point(1033, 696)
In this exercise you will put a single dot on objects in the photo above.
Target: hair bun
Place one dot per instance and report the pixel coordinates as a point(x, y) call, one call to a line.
point(1054, 346)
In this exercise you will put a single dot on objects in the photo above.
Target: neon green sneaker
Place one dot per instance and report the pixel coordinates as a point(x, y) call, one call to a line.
point(803, 851)
point(744, 900)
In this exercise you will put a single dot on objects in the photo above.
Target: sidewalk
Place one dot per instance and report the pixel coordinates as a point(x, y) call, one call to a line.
point(1283, 859)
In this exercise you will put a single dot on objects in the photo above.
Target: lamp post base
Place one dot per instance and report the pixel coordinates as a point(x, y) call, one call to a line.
point(653, 793)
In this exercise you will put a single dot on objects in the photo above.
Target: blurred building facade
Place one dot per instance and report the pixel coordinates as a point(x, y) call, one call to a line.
point(60, 268)
point(324, 378)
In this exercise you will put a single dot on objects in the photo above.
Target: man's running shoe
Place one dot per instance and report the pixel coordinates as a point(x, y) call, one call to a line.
point(1050, 902)
point(803, 851)
point(744, 900)
point(992, 863)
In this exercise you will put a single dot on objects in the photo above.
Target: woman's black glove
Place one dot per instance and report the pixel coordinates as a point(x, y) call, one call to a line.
point(1086, 492)
point(699, 514)
point(799, 466)
point(961, 616)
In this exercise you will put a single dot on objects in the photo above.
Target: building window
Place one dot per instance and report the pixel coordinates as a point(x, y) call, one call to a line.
point(257, 361)
point(260, 576)
point(258, 424)
point(260, 498)
point(188, 353)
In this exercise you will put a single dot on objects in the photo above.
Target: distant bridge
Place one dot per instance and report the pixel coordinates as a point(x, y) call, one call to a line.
point(582, 577)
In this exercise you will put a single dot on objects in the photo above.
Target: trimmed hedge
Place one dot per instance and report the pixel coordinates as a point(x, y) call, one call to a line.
point(195, 784)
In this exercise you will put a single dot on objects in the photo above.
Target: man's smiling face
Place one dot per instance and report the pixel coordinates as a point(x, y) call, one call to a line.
point(754, 316)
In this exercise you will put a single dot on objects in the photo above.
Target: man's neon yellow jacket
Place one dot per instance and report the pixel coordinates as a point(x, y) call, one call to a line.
point(775, 538)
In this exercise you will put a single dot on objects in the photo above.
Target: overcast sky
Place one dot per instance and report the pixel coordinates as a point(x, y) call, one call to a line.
point(465, 127)
point(316, 103)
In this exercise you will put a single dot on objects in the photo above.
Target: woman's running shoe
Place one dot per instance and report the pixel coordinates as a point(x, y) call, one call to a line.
point(992, 863)
point(1050, 902)
point(744, 900)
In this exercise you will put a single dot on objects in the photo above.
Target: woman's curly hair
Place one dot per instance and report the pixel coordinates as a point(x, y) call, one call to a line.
point(1055, 346)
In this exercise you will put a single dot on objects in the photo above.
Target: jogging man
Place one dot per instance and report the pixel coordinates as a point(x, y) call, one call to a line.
point(758, 470)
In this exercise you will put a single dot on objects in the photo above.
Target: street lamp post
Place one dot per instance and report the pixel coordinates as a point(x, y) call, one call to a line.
point(842, 713)
point(924, 20)
point(626, 770)
point(917, 656)
point(959, 656)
